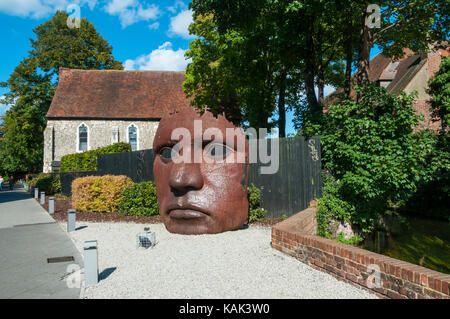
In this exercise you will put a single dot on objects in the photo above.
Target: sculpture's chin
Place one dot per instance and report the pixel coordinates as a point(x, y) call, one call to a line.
point(197, 226)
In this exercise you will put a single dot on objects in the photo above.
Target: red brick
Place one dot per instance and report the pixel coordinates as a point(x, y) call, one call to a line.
point(423, 280)
point(395, 295)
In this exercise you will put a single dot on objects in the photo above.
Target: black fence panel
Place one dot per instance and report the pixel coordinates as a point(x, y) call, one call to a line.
point(285, 192)
point(297, 181)
point(68, 178)
point(137, 165)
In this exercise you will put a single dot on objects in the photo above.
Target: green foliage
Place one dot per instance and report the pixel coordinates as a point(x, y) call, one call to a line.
point(439, 89)
point(255, 211)
point(48, 183)
point(21, 147)
point(375, 157)
point(353, 241)
point(139, 200)
point(87, 161)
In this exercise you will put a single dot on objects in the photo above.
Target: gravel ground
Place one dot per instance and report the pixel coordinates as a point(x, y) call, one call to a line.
point(238, 264)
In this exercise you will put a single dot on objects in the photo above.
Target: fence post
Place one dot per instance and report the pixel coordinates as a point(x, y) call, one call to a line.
point(90, 263)
point(51, 205)
point(71, 215)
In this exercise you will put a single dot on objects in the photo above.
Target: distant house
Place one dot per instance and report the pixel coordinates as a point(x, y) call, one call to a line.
point(410, 73)
point(93, 108)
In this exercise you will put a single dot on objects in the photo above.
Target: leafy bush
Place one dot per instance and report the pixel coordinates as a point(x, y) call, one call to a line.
point(255, 211)
point(48, 183)
point(87, 161)
point(99, 193)
point(139, 200)
point(377, 159)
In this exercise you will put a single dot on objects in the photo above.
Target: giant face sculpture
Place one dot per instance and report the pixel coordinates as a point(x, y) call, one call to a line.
point(200, 171)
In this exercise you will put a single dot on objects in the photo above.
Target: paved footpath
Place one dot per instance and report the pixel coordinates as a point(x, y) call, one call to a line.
point(28, 236)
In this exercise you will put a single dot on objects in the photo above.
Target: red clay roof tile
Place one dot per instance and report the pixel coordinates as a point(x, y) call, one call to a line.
point(114, 94)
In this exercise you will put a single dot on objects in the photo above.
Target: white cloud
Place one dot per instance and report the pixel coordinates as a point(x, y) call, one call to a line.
point(39, 8)
point(154, 26)
point(163, 58)
point(177, 5)
point(131, 11)
point(179, 24)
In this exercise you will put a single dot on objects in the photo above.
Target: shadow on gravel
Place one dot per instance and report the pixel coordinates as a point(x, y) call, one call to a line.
point(106, 272)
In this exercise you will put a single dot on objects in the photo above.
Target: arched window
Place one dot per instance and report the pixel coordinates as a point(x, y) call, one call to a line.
point(82, 138)
point(133, 137)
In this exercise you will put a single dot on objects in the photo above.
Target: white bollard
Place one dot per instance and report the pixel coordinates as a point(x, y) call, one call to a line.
point(51, 205)
point(36, 193)
point(42, 198)
point(90, 263)
point(71, 216)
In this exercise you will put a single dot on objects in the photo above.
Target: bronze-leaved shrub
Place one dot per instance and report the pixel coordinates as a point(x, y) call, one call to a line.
point(99, 193)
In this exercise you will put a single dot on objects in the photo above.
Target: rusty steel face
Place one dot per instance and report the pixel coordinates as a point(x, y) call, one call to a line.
point(200, 173)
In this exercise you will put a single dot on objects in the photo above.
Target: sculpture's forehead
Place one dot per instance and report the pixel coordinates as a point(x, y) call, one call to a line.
point(193, 121)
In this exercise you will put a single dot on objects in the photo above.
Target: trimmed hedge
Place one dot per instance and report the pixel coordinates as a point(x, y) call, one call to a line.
point(48, 183)
point(87, 161)
point(139, 200)
point(99, 193)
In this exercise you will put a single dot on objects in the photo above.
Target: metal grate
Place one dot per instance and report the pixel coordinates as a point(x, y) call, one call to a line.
point(145, 239)
point(60, 259)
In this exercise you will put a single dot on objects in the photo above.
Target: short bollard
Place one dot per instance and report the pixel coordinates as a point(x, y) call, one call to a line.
point(42, 198)
point(90, 263)
point(71, 214)
point(36, 193)
point(51, 205)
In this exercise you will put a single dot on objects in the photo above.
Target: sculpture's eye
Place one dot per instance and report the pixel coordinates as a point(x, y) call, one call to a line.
point(166, 153)
point(217, 151)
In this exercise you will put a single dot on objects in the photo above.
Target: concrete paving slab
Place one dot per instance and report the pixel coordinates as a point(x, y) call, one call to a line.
point(28, 236)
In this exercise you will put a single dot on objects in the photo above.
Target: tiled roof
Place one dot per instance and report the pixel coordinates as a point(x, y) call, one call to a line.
point(114, 94)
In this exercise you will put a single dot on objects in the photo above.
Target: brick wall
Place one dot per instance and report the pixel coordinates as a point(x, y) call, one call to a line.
point(397, 279)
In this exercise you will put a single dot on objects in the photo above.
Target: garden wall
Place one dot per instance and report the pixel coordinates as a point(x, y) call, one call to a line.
point(289, 190)
point(398, 279)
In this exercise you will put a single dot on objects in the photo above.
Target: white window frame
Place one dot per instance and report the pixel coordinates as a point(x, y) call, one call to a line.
point(137, 135)
point(78, 137)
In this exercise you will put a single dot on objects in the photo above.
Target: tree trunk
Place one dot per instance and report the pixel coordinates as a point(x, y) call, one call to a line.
point(314, 106)
point(320, 68)
point(349, 56)
point(281, 105)
point(364, 53)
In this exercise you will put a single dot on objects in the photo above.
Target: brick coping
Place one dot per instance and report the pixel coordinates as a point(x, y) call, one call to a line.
point(389, 277)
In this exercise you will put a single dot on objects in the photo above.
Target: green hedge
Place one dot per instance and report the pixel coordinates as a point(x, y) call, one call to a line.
point(48, 183)
point(139, 200)
point(87, 161)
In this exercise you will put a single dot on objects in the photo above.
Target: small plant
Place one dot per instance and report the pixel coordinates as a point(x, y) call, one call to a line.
point(354, 240)
point(284, 216)
point(139, 200)
point(255, 211)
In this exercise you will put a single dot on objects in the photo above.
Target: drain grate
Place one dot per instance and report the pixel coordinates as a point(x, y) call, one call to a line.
point(60, 259)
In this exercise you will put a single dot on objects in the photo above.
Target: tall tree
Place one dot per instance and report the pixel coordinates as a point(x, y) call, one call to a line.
point(33, 82)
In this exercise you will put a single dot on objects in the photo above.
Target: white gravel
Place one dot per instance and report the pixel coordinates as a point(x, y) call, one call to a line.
point(238, 264)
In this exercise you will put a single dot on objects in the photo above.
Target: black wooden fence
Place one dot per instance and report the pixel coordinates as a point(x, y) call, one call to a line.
point(286, 192)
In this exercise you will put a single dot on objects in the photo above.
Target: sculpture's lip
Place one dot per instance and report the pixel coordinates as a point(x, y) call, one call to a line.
point(186, 212)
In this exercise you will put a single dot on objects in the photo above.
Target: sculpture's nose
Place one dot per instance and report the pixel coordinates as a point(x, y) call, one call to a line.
point(185, 177)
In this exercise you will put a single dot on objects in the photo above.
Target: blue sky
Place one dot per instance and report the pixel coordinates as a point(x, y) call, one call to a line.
point(145, 35)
